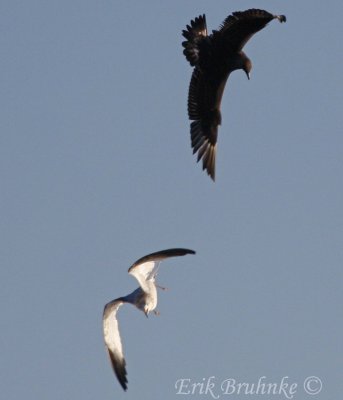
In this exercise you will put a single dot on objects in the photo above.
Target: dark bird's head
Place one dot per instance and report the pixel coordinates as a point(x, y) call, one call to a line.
point(242, 61)
point(247, 66)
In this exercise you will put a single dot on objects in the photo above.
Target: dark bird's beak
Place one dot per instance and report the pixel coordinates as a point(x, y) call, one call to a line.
point(248, 75)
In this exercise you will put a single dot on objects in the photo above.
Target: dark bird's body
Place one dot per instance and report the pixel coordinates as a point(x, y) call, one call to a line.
point(214, 57)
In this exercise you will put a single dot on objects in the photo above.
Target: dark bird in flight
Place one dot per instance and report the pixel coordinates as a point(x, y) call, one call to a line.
point(214, 57)
point(144, 298)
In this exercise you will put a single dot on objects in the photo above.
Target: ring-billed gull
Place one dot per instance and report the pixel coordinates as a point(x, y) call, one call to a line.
point(144, 298)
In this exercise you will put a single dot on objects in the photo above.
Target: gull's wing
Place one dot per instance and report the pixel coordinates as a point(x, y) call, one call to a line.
point(239, 27)
point(113, 341)
point(145, 268)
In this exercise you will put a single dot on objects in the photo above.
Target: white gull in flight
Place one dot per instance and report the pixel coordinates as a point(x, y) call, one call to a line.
point(144, 298)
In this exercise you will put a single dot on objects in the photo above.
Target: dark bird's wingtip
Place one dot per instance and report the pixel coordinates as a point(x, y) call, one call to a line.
point(210, 171)
point(212, 176)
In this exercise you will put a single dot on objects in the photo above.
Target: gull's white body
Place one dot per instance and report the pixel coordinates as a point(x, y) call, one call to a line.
point(144, 298)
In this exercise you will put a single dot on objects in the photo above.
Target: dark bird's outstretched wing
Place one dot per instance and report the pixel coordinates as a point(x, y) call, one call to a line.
point(204, 94)
point(196, 38)
point(113, 341)
point(239, 27)
point(204, 98)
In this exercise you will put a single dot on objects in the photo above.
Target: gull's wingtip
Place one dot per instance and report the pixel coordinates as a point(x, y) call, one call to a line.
point(189, 251)
point(121, 374)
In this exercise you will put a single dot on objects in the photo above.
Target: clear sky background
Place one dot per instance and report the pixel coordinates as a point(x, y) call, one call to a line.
point(97, 170)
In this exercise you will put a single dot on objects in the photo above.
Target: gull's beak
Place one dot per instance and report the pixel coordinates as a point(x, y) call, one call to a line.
point(146, 313)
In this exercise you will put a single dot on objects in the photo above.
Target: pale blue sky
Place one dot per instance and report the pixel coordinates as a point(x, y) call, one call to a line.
point(97, 170)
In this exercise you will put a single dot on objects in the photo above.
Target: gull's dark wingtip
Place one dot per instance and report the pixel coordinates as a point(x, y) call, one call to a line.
point(121, 375)
point(188, 251)
point(119, 368)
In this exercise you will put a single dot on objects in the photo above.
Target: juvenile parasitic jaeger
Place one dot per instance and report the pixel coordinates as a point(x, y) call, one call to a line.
point(214, 57)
